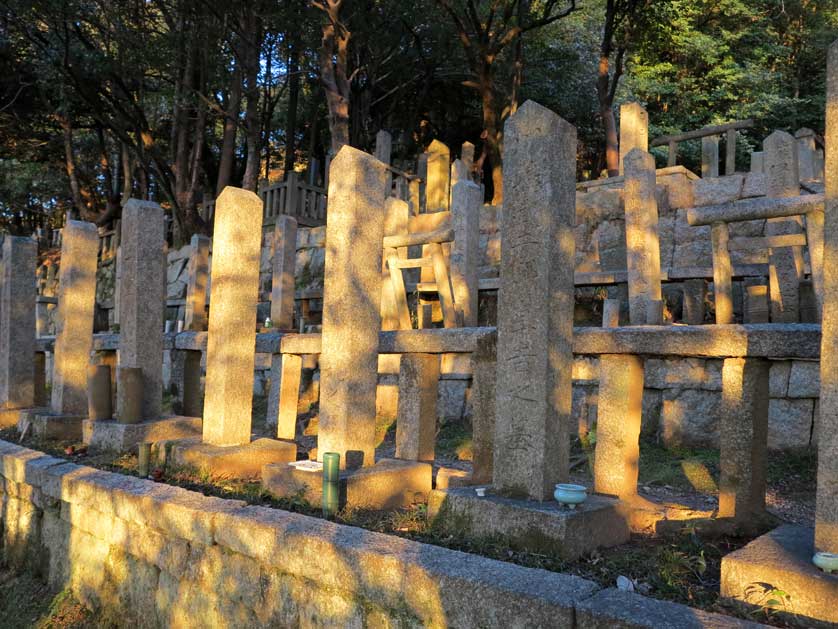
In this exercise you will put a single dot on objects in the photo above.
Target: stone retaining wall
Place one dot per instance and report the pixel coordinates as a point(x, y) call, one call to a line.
point(160, 556)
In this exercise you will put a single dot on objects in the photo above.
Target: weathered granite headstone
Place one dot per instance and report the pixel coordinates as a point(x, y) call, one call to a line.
point(289, 395)
point(619, 406)
point(743, 426)
point(231, 338)
point(805, 153)
point(284, 264)
point(786, 263)
point(195, 316)
point(416, 423)
point(351, 302)
point(17, 322)
point(757, 161)
point(466, 200)
point(710, 156)
point(826, 515)
point(642, 243)
point(437, 182)
point(722, 273)
point(74, 319)
point(394, 315)
point(611, 313)
point(383, 146)
point(535, 304)
point(634, 130)
point(142, 295)
point(695, 291)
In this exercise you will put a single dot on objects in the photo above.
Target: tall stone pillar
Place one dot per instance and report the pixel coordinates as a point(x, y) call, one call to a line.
point(743, 437)
point(805, 153)
point(786, 263)
point(17, 322)
point(619, 409)
point(231, 340)
point(535, 305)
point(437, 181)
point(710, 156)
point(466, 200)
point(74, 319)
point(195, 317)
point(351, 305)
point(642, 243)
point(634, 130)
point(142, 297)
point(826, 515)
point(284, 266)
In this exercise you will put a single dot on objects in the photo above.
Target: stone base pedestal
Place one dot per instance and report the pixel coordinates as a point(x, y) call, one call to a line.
point(112, 436)
point(543, 527)
point(389, 484)
point(43, 424)
point(11, 416)
point(782, 559)
point(234, 461)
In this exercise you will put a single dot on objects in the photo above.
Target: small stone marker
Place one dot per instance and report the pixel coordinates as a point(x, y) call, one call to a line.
point(416, 423)
point(743, 438)
point(231, 339)
point(826, 515)
point(17, 322)
point(467, 155)
point(467, 198)
point(535, 304)
point(284, 265)
point(642, 243)
point(142, 295)
point(634, 130)
point(611, 313)
point(289, 396)
point(351, 305)
point(195, 315)
point(74, 319)
point(722, 273)
point(710, 156)
point(437, 182)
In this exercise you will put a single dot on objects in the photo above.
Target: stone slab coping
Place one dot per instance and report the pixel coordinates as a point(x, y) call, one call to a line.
point(782, 558)
point(619, 609)
point(759, 340)
point(586, 186)
point(440, 587)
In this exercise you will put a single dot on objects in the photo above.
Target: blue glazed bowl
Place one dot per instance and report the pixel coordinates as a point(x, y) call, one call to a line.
point(570, 494)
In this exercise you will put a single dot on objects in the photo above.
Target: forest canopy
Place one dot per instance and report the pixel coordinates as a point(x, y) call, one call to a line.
point(172, 100)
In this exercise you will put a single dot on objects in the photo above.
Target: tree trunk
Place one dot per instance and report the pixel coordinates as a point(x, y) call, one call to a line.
point(606, 112)
point(291, 119)
point(491, 129)
point(231, 125)
point(333, 74)
point(70, 163)
point(252, 123)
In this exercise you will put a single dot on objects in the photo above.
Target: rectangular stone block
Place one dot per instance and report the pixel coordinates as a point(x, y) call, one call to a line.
point(74, 320)
point(619, 410)
point(116, 437)
point(389, 484)
point(142, 295)
point(416, 423)
point(743, 428)
point(195, 313)
point(438, 177)
point(535, 304)
point(540, 527)
point(351, 305)
point(232, 325)
point(244, 461)
point(484, 378)
point(289, 396)
point(17, 322)
point(282, 281)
